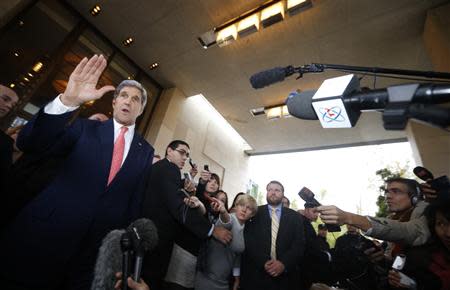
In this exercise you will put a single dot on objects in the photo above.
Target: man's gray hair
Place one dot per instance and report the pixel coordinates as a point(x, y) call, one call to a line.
point(135, 84)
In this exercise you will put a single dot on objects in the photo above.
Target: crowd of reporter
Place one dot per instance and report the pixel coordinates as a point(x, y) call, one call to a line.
point(65, 189)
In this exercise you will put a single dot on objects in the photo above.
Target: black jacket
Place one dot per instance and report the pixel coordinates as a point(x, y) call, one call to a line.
point(290, 249)
point(163, 204)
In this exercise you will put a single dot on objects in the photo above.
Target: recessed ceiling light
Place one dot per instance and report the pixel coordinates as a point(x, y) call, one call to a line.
point(128, 41)
point(21, 23)
point(37, 66)
point(12, 85)
point(26, 79)
point(257, 111)
point(154, 65)
point(16, 54)
point(30, 74)
point(95, 10)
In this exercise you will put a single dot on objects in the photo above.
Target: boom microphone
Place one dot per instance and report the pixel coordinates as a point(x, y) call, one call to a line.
point(300, 105)
point(339, 101)
point(271, 76)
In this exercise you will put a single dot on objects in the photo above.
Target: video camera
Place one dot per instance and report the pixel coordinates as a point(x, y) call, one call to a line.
point(440, 184)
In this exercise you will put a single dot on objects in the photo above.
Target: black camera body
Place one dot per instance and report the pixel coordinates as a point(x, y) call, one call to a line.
point(441, 184)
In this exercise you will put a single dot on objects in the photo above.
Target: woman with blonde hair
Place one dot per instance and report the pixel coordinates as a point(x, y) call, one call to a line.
point(219, 261)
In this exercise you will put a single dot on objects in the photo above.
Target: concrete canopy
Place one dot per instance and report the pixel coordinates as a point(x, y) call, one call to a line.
point(362, 33)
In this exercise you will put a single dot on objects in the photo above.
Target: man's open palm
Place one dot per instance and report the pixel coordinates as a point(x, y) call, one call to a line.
point(83, 81)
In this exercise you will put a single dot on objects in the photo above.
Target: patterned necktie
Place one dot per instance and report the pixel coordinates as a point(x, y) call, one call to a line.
point(275, 226)
point(117, 157)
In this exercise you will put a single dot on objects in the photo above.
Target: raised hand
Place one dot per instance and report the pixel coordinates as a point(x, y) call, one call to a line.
point(83, 81)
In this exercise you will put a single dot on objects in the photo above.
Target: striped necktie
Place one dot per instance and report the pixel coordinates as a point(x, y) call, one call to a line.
point(275, 226)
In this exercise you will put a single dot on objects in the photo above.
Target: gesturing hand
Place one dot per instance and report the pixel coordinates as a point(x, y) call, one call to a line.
point(331, 214)
point(83, 80)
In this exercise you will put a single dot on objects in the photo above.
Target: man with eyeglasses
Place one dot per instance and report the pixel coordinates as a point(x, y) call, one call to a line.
point(164, 204)
point(406, 223)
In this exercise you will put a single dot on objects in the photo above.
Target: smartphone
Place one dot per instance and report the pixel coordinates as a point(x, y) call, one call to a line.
point(191, 163)
point(399, 262)
point(206, 167)
point(187, 176)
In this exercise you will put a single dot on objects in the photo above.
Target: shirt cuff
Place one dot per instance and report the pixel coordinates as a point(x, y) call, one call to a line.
point(211, 231)
point(236, 272)
point(56, 107)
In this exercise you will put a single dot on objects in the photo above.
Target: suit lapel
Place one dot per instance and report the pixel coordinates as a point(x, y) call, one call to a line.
point(282, 225)
point(267, 235)
point(106, 135)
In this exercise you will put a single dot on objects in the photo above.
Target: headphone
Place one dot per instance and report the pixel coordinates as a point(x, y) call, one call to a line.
point(416, 194)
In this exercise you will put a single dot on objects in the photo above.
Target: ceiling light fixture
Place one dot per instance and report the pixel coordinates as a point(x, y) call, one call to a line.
point(207, 39)
point(272, 112)
point(272, 14)
point(295, 6)
point(257, 111)
point(128, 41)
point(95, 10)
point(226, 35)
point(248, 25)
point(267, 14)
point(37, 66)
point(16, 54)
point(12, 85)
point(154, 65)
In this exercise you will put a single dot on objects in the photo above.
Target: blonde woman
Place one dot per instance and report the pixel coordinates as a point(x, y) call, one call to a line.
point(219, 262)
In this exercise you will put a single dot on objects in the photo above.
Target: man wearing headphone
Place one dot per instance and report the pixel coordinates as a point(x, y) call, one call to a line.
point(406, 224)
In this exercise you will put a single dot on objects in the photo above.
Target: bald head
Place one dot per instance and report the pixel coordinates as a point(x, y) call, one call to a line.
point(8, 99)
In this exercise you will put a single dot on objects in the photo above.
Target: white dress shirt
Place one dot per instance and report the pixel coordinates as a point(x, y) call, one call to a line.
point(56, 107)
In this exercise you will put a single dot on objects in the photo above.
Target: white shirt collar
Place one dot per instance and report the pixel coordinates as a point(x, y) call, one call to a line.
point(117, 127)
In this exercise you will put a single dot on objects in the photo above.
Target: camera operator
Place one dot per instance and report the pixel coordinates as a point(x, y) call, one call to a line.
point(406, 225)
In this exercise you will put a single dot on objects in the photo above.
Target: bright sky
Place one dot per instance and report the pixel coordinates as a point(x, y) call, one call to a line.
point(347, 174)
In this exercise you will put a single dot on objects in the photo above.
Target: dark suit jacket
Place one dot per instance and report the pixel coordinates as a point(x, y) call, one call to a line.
point(290, 248)
point(6, 150)
point(77, 209)
point(164, 205)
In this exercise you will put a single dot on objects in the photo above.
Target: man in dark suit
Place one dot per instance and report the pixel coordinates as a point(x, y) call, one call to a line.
point(53, 242)
point(274, 243)
point(164, 204)
point(8, 99)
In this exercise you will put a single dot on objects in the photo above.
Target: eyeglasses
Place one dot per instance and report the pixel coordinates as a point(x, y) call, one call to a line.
point(182, 152)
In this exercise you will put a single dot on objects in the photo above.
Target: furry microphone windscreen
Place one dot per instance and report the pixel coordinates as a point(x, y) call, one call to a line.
point(109, 261)
point(147, 231)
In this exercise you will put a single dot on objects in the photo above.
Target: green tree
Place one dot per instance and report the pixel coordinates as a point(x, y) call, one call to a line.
point(387, 173)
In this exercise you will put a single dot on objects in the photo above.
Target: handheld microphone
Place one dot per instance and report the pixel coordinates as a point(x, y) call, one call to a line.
point(271, 76)
point(145, 238)
point(109, 259)
point(126, 247)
